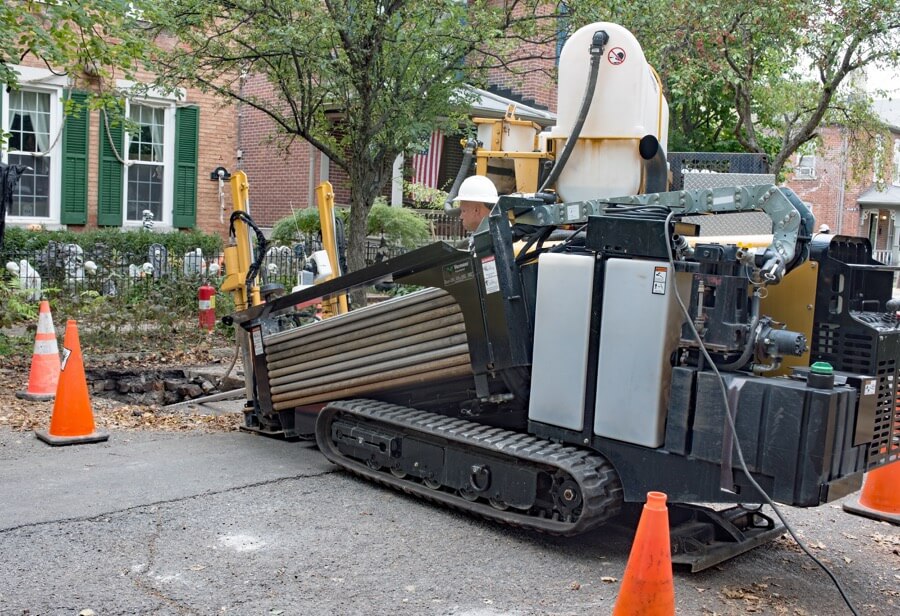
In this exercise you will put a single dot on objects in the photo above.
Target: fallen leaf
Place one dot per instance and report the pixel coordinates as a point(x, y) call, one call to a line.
point(575, 586)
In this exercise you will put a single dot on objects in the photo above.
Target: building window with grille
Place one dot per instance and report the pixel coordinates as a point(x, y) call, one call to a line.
point(31, 120)
point(149, 152)
point(806, 167)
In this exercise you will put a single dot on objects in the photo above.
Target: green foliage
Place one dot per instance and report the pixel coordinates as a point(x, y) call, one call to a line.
point(301, 223)
point(15, 309)
point(361, 81)
point(103, 36)
point(124, 242)
point(398, 226)
point(424, 197)
point(761, 77)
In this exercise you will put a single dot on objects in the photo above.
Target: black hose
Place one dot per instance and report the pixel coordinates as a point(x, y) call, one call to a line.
point(656, 172)
point(468, 153)
point(598, 43)
point(254, 268)
point(741, 361)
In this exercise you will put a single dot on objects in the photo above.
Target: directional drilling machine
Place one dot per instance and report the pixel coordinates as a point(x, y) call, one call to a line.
point(592, 345)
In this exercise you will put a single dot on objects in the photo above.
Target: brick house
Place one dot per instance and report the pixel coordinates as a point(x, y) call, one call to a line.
point(85, 176)
point(824, 180)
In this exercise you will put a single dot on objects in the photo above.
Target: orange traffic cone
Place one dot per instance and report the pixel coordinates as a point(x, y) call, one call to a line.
point(647, 586)
point(880, 497)
point(44, 374)
point(72, 421)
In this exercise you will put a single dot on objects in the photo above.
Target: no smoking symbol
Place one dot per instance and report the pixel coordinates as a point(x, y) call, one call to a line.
point(616, 56)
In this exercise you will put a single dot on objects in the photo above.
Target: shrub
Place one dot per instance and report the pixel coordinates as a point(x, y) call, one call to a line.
point(399, 227)
point(124, 242)
point(301, 223)
point(423, 197)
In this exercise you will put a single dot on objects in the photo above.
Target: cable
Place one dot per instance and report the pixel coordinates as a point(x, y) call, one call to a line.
point(254, 268)
point(737, 444)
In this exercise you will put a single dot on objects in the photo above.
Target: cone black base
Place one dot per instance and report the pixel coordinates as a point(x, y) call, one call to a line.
point(97, 436)
point(867, 512)
point(24, 395)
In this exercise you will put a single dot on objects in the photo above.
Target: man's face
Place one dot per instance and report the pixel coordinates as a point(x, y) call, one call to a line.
point(471, 213)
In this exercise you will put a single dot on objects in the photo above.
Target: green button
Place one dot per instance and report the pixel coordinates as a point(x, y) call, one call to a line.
point(821, 367)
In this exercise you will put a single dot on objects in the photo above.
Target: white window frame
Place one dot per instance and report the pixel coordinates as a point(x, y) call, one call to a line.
point(160, 100)
point(45, 82)
point(809, 170)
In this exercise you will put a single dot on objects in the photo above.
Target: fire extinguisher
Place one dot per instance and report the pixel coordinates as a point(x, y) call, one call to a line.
point(207, 305)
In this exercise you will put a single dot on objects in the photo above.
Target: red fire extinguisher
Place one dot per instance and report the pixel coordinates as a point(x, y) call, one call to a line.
point(207, 305)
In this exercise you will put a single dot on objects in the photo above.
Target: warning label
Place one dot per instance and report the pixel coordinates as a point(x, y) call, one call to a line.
point(616, 56)
point(491, 281)
point(257, 342)
point(660, 277)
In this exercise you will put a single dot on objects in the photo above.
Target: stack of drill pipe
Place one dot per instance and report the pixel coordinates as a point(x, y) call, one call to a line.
point(405, 342)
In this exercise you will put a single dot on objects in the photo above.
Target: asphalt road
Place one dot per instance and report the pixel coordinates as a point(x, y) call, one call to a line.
point(155, 523)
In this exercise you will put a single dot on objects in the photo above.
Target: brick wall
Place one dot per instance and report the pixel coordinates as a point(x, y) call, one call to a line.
point(278, 171)
point(531, 75)
point(823, 192)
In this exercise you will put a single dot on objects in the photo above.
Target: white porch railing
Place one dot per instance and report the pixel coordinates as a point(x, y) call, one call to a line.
point(885, 256)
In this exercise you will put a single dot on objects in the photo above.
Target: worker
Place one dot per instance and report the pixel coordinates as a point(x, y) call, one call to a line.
point(476, 196)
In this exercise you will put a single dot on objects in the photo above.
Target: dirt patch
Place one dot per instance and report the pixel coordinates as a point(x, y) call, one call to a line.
point(117, 411)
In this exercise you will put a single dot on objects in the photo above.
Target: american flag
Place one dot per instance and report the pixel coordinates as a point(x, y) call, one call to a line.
point(427, 165)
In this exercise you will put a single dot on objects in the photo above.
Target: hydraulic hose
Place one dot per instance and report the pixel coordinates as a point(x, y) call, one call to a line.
point(598, 43)
point(468, 153)
point(741, 361)
point(253, 270)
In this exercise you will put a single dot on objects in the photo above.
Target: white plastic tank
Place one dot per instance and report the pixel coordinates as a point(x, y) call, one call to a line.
point(628, 104)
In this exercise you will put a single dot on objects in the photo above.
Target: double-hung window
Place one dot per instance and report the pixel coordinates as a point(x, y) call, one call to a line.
point(31, 118)
point(150, 154)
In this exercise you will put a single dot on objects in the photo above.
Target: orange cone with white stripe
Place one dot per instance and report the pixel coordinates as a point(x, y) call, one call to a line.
point(72, 421)
point(44, 374)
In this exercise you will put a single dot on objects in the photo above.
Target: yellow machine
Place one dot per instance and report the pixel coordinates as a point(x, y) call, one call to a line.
point(239, 256)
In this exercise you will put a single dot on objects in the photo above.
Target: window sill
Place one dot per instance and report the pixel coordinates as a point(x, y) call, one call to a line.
point(24, 223)
point(157, 227)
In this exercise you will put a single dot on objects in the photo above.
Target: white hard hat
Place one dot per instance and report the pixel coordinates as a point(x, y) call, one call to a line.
point(477, 188)
point(824, 229)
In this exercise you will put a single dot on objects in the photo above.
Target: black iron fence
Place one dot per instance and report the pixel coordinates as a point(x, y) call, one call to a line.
point(443, 226)
point(68, 270)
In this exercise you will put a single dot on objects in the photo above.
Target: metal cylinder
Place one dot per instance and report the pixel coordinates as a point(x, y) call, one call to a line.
point(405, 342)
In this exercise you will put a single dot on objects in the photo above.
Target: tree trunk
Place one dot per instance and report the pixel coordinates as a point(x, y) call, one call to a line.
point(365, 185)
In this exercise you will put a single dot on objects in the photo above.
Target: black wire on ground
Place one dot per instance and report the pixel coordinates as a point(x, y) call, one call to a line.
point(737, 445)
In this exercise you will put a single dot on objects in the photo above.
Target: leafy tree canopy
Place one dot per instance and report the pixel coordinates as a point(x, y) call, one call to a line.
point(362, 80)
point(81, 38)
point(760, 76)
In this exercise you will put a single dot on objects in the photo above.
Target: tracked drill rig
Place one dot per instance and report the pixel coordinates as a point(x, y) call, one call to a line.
point(590, 345)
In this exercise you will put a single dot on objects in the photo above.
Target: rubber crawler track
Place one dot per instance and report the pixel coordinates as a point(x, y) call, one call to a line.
point(599, 484)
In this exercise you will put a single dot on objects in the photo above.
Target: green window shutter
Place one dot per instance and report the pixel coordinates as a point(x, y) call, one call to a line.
point(187, 137)
point(109, 188)
point(75, 164)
